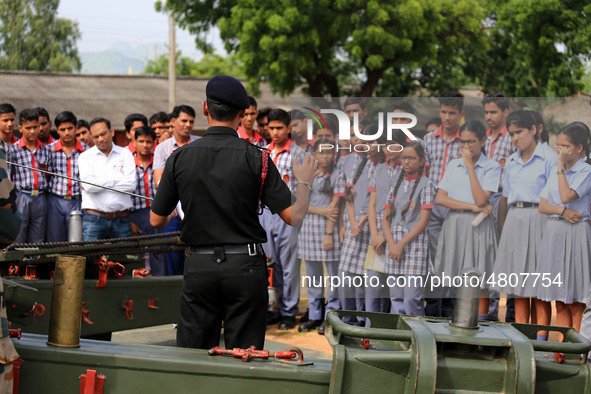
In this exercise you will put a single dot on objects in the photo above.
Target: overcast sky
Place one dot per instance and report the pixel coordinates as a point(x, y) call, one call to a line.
point(106, 22)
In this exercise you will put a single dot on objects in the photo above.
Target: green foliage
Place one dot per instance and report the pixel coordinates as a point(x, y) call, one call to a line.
point(210, 65)
point(33, 38)
point(537, 47)
point(369, 47)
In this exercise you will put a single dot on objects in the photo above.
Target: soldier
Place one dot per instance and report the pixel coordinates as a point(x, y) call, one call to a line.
point(225, 277)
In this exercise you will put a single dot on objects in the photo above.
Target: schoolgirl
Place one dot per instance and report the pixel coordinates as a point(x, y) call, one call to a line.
point(542, 130)
point(356, 234)
point(526, 173)
point(381, 180)
point(318, 241)
point(406, 216)
point(465, 189)
point(565, 254)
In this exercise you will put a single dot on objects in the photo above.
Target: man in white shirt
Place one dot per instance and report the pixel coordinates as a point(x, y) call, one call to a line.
point(106, 213)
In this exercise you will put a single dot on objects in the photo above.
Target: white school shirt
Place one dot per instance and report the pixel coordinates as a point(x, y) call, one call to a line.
point(116, 171)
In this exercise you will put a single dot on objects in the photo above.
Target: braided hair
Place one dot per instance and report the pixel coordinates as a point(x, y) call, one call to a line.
point(349, 189)
point(418, 148)
point(326, 185)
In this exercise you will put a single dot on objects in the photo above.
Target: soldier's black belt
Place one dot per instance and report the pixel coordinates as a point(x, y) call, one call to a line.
point(249, 249)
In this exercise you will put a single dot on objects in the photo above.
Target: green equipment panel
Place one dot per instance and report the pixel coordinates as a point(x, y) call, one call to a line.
point(122, 304)
point(397, 354)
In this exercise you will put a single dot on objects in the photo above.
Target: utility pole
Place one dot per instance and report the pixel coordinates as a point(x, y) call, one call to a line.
point(171, 62)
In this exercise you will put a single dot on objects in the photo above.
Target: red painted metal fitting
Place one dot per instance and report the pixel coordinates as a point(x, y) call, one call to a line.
point(86, 313)
point(16, 372)
point(128, 306)
point(38, 310)
point(91, 383)
point(104, 267)
point(15, 333)
point(31, 272)
point(140, 273)
point(13, 270)
point(365, 343)
point(152, 303)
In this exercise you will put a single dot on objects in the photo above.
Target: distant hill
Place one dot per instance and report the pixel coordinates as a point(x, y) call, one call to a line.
point(118, 59)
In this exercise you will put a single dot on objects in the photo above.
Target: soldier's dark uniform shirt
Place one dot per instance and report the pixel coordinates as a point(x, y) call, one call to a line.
point(217, 178)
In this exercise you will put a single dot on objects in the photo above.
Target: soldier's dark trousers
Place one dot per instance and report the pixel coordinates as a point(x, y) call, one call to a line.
point(232, 290)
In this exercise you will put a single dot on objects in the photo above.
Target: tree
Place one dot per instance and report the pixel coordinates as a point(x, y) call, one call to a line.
point(33, 38)
point(537, 47)
point(368, 47)
point(320, 43)
point(210, 65)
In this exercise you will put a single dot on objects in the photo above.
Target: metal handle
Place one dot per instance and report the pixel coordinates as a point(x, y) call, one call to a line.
point(334, 319)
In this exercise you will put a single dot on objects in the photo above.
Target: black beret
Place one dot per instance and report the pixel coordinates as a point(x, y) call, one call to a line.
point(224, 89)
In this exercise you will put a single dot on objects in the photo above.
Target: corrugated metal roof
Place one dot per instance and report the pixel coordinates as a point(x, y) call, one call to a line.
point(110, 96)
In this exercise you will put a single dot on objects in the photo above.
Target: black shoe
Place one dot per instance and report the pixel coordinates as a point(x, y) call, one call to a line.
point(309, 325)
point(305, 317)
point(271, 319)
point(287, 323)
point(321, 329)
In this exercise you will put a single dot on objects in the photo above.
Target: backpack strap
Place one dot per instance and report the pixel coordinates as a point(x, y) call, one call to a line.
point(264, 172)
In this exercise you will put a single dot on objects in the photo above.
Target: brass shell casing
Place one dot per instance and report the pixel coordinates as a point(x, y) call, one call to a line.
point(66, 305)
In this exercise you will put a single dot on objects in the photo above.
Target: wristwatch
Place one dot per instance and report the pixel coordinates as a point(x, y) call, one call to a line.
point(561, 171)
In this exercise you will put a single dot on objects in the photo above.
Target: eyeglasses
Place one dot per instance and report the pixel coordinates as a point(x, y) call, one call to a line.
point(409, 158)
point(468, 142)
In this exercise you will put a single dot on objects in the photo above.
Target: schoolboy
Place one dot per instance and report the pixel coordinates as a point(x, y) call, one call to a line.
point(246, 129)
point(30, 185)
point(63, 195)
point(299, 131)
point(7, 116)
point(356, 105)
point(263, 124)
point(432, 125)
point(144, 139)
point(498, 147)
point(83, 132)
point(160, 123)
point(131, 123)
point(44, 127)
point(281, 237)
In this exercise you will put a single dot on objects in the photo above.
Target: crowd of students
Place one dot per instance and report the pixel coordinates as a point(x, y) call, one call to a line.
point(419, 205)
point(410, 204)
